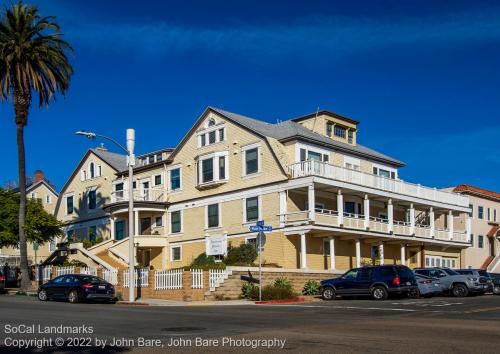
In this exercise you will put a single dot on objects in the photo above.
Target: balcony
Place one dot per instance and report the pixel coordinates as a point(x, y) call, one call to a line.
point(376, 225)
point(326, 170)
point(142, 195)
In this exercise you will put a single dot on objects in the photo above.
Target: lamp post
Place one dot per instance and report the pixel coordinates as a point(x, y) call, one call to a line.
point(130, 162)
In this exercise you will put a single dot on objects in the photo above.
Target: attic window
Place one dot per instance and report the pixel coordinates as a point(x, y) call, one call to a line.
point(329, 128)
point(350, 137)
point(211, 122)
point(339, 131)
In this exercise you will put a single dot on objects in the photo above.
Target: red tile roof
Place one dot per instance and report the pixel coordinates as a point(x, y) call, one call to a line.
point(465, 188)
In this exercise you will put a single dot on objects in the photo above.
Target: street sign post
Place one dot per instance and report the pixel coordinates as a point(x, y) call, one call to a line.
point(261, 230)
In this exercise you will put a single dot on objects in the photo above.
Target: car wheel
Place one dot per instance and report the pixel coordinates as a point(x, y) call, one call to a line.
point(415, 294)
point(42, 295)
point(73, 297)
point(328, 293)
point(460, 290)
point(379, 293)
point(496, 290)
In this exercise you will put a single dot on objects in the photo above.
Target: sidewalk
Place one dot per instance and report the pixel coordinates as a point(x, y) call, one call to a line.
point(158, 302)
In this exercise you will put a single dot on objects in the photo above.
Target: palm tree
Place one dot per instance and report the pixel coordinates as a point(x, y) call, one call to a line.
point(33, 61)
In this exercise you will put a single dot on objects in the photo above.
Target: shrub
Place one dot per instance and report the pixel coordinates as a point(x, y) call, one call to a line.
point(74, 263)
point(247, 290)
point(272, 292)
point(243, 255)
point(119, 296)
point(311, 287)
point(283, 283)
point(202, 261)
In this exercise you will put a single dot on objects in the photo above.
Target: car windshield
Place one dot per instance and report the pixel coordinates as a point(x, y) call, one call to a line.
point(450, 271)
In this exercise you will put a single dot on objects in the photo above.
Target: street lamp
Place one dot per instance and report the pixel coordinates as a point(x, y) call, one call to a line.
point(130, 162)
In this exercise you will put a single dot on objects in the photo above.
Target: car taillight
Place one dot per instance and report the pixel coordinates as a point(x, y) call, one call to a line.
point(87, 286)
point(424, 281)
point(396, 281)
point(2, 278)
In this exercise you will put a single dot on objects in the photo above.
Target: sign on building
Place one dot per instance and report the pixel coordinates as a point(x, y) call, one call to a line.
point(216, 245)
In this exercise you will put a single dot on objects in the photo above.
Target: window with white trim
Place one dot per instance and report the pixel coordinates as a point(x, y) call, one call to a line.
point(213, 216)
point(252, 209)
point(48, 199)
point(91, 199)
point(212, 168)
point(212, 134)
point(251, 159)
point(175, 178)
point(91, 170)
point(69, 204)
point(175, 253)
point(158, 180)
point(175, 222)
point(339, 131)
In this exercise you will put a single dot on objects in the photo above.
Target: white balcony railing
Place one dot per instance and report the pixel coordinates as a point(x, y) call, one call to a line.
point(144, 195)
point(323, 169)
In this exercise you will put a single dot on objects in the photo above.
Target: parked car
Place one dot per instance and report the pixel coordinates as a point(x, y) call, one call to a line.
point(2, 282)
point(376, 281)
point(75, 288)
point(495, 278)
point(454, 283)
point(482, 275)
point(428, 286)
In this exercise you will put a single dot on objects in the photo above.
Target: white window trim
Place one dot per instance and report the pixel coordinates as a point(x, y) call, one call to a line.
point(48, 199)
point(385, 167)
point(153, 177)
point(353, 161)
point(312, 148)
point(90, 189)
point(33, 195)
point(170, 223)
point(215, 156)
point(220, 217)
point(66, 196)
point(169, 184)
point(208, 130)
point(88, 169)
point(244, 150)
point(172, 253)
point(259, 202)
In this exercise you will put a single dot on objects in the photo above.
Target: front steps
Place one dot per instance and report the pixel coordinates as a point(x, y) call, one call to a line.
point(111, 260)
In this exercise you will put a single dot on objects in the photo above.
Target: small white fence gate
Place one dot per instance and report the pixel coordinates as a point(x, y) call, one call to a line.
point(110, 275)
point(168, 279)
point(141, 278)
point(216, 277)
point(197, 278)
point(46, 273)
point(88, 271)
point(64, 270)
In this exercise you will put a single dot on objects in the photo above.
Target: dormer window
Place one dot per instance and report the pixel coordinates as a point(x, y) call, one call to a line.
point(212, 134)
point(350, 136)
point(329, 128)
point(339, 131)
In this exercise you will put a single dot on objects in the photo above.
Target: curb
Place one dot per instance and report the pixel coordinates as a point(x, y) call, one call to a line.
point(132, 303)
point(279, 301)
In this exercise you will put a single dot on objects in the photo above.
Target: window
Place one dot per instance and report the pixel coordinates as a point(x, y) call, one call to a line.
point(119, 230)
point(349, 208)
point(213, 168)
point(350, 137)
point(384, 172)
point(471, 207)
point(252, 241)
point(207, 170)
point(211, 137)
point(326, 248)
point(480, 212)
point(489, 216)
point(158, 180)
point(70, 235)
point(303, 154)
point(33, 195)
point(158, 157)
point(52, 246)
point(494, 215)
point(480, 241)
point(339, 131)
point(158, 221)
point(211, 134)
point(329, 128)
point(175, 179)
point(99, 170)
point(92, 233)
point(175, 253)
point(175, 222)
point(48, 199)
point(252, 209)
point(203, 140)
point(83, 175)
point(69, 205)
point(251, 161)
point(472, 240)
point(222, 167)
point(211, 122)
point(221, 134)
point(213, 215)
point(91, 170)
point(92, 199)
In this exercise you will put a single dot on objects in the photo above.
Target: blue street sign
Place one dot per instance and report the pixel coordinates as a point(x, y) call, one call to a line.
point(263, 228)
point(260, 223)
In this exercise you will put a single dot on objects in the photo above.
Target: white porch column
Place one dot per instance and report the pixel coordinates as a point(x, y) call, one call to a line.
point(112, 227)
point(358, 252)
point(136, 223)
point(164, 255)
point(332, 253)
point(450, 225)
point(403, 254)
point(283, 207)
point(381, 252)
point(165, 222)
point(312, 203)
point(468, 227)
point(390, 216)
point(303, 251)
point(367, 211)
point(340, 207)
point(412, 219)
point(431, 222)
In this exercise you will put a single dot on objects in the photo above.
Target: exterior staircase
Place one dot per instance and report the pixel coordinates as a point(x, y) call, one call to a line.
point(494, 264)
point(111, 260)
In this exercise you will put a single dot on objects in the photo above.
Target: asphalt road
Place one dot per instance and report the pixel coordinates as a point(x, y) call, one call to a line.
point(443, 325)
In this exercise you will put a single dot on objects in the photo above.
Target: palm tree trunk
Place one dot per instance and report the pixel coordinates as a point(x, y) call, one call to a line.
point(21, 105)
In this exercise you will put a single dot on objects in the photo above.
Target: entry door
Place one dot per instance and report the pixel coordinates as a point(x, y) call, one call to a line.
point(145, 226)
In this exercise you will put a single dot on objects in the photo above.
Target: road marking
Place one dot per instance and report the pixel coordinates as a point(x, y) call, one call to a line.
point(350, 307)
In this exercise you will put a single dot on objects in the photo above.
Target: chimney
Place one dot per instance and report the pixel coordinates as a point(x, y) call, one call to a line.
point(101, 147)
point(39, 175)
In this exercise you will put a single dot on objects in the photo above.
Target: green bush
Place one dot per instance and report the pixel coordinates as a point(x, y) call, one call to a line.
point(73, 263)
point(87, 244)
point(283, 283)
point(311, 287)
point(243, 255)
point(247, 290)
point(202, 261)
point(272, 292)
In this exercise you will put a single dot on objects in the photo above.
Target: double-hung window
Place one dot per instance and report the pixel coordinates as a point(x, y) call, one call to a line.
point(212, 134)
point(339, 131)
point(213, 215)
point(175, 222)
point(207, 170)
point(329, 128)
point(252, 209)
point(480, 212)
point(480, 241)
point(175, 253)
point(251, 161)
point(213, 168)
point(158, 180)
point(91, 199)
point(69, 205)
point(175, 179)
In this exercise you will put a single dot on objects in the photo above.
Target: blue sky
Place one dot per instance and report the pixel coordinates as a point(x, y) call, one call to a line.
point(422, 77)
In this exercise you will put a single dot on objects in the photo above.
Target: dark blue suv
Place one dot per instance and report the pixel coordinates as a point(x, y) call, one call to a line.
point(377, 282)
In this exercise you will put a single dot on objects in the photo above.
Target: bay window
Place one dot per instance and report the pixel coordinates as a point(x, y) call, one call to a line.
point(212, 168)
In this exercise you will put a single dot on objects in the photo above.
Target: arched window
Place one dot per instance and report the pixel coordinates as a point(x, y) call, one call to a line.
point(211, 122)
point(91, 170)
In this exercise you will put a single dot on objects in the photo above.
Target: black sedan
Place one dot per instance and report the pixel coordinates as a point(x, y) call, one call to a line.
point(75, 288)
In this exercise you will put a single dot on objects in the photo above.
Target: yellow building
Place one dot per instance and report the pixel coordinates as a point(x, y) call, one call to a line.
point(332, 202)
point(38, 188)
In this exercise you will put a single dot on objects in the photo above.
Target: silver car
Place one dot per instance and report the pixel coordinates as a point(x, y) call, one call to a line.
point(428, 286)
point(454, 283)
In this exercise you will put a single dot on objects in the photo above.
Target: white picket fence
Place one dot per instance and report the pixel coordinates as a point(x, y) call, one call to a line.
point(88, 271)
point(110, 275)
point(197, 278)
point(168, 279)
point(216, 276)
point(141, 278)
point(46, 273)
point(65, 270)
